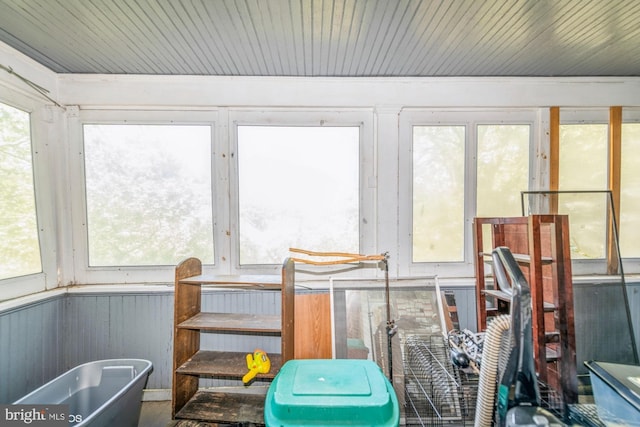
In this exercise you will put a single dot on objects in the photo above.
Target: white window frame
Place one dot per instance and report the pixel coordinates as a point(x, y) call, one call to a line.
point(470, 119)
point(43, 120)
point(82, 272)
point(309, 117)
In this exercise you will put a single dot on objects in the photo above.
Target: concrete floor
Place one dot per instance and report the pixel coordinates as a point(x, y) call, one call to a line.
point(155, 414)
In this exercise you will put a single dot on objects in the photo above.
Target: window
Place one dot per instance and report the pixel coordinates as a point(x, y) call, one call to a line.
point(299, 186)
point(630, 191)
point(583, 167)
point(502, 169)
point(148, 194)
point(158, 187)
point(19, 242)
point(438, 193)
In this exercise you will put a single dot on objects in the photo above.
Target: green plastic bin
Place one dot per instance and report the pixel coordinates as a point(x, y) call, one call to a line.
point(331, 392)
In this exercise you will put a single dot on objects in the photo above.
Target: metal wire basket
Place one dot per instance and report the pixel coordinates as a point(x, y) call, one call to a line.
point(437, 393)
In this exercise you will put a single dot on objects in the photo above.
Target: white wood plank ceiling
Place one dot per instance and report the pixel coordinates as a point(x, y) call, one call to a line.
point(328, 37)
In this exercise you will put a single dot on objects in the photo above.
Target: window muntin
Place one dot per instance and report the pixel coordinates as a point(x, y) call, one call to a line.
point(583, 167)
point(438, 184)
point(630, 191)
point(502, 168)
point(19, 242)
point(148, 194)
point(299, 186)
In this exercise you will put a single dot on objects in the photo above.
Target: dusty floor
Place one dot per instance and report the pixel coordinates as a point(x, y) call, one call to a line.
point(155, 414)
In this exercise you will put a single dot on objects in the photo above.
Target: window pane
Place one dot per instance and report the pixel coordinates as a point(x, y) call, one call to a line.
point(19, 244)
point(583, 166)
point(438, 193)
point(630, 191)
point(298, 187)
point(503, 169)
point(148, 194)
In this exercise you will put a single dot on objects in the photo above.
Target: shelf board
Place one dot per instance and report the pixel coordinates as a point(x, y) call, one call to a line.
point(271, 281)
point(498, 294)
point(224, 407)
point(548, 307)
point(225, 364)
point(519, 258)
point(552, 337)
point(237, 322)
point(552, 355)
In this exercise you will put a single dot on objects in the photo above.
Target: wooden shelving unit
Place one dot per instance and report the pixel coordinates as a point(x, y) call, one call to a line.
point(540, 244)
point(190, 362)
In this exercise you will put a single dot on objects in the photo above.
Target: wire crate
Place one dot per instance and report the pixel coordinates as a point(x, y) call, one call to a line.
point(437, 393)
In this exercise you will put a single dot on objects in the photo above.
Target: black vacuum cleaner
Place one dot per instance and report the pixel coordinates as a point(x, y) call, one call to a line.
point(518, 396)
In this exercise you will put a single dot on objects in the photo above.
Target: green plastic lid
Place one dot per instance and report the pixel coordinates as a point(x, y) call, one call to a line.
point(331, 392)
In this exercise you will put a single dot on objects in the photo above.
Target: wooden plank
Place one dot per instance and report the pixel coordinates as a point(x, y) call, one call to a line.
point(478, 251)
point(615, 161)
point(313, 326)
point(223, 407)
point(565, 316)
point(239, 322)
point(536, 284)
point(225, 364)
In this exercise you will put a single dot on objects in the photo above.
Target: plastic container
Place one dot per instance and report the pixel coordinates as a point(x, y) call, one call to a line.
point(103, 393)
point(616, 390)
point(331, 392)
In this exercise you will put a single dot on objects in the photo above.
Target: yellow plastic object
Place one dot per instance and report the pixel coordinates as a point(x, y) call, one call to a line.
point(257, 363)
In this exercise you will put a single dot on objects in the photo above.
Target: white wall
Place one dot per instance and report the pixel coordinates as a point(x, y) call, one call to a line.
point(202, 91)
point(384, 99)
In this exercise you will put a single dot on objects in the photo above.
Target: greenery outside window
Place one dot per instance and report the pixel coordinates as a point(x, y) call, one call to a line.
point(148, 194)
point(19, 242)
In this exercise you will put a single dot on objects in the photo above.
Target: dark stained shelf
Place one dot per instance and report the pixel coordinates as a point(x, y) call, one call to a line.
point(233, 322)
point(234, 282)
point(225, 364)
point(224, 407)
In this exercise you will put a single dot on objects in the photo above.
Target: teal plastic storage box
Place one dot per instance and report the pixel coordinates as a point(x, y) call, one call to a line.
point(616, 390)
point(331, 392)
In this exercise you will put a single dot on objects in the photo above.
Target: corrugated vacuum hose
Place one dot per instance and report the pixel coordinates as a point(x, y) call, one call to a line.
point(497, 332)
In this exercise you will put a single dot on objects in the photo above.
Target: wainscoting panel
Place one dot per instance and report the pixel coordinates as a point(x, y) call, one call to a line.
point(31, 343)
point(41, 340)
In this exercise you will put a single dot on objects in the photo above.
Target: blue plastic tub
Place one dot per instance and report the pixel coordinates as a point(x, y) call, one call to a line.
point(616, 390)
point(331, 392)
point(104, 393)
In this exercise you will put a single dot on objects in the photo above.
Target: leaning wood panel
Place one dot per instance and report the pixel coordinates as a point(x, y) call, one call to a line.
point(288, 310)
point(313, 326)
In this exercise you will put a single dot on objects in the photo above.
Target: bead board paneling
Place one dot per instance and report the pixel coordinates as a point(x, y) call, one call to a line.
point(31, 346)
point(106, 326)
point(40, 341)
point(602, 328)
